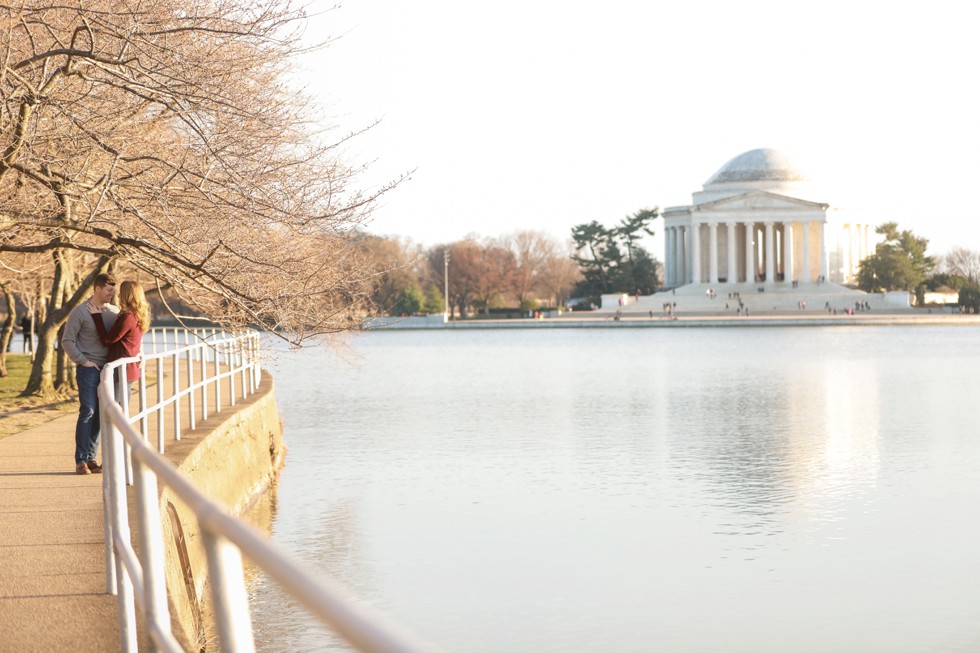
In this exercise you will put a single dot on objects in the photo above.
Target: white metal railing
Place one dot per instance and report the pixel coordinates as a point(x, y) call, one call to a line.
point(128, 458)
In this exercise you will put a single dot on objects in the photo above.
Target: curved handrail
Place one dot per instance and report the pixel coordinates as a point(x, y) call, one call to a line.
point(139, 581)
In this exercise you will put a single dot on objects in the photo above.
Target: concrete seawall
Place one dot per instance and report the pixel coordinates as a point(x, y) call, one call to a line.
point(628, 319)
point(232, 458)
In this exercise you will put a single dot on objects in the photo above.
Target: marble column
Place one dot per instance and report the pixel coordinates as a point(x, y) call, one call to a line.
point(788, 252)
point(678, 256)
point(685, 246)
point(732, 275)
point(669, 259)
point(681, 256)
point(713, 253)
point(823, 250)
point(678, 279)
point(749, 252)
point(770, 255)
point(806, 253)
point(695, 252)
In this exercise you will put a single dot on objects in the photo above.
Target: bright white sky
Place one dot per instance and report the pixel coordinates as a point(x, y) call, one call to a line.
point(540, 114)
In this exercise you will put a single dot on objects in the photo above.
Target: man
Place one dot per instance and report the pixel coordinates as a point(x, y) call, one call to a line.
point(82, 344)
point(27, 326)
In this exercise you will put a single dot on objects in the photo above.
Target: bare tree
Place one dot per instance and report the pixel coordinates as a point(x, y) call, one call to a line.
point(530, 250)
point(961, 262)
point(559, 273)
point(164, 134)
point(21, 276)
point(7, 327)
point(395, 265)
point(464, 270)
point(495, 268)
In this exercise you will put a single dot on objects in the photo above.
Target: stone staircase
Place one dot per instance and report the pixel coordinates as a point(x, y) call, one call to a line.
point(777, 297)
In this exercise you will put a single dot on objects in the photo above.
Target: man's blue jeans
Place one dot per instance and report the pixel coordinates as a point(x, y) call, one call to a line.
point(87, 428)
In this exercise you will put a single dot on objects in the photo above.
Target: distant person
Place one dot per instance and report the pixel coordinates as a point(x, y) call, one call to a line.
point(84, 347)
point(27, 326)
point(125, 338)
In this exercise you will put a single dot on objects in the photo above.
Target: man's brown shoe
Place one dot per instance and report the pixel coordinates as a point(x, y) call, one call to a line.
point(94, 467)
point(82, 468)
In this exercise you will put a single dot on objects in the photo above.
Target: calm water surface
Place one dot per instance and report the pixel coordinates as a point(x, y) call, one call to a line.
point(727, 489)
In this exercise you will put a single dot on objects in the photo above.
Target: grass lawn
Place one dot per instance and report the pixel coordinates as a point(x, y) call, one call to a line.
point(21, 413)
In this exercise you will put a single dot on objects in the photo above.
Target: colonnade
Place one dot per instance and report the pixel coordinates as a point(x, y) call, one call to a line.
point(768, 252)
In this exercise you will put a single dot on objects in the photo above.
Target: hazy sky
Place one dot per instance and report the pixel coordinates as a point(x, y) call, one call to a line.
point(539, 114)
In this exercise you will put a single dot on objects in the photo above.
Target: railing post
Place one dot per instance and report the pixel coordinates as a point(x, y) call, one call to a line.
point(231, 372)
point(240, 345)
point(120, 529)
point(141, 389)
point(204, 380)
point(151, 547)
point(122, 398)
point(190, 386)
point(256, 370)
point(109, 503)
point(217, 377)
point(176, 395)
point(160, 416)
point(228, 595)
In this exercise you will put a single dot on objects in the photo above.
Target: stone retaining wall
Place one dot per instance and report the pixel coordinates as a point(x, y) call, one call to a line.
point(231, 458)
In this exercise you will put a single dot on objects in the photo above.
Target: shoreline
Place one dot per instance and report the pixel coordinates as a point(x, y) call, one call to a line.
point(609, 321)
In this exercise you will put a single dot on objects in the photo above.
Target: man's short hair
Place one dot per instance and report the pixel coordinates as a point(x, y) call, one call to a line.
point(104, 280)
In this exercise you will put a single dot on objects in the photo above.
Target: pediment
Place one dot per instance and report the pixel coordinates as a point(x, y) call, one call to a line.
point(760, 200)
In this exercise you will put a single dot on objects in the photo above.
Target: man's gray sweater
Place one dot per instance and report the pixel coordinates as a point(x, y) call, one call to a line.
point(81, 340)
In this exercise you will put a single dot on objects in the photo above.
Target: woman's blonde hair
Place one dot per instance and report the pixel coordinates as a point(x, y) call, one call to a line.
point(133, 299)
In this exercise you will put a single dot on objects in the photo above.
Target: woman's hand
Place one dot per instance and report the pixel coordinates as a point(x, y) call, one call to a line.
point(92, 309)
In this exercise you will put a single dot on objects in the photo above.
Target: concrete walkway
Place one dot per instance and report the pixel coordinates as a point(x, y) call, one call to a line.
point(52, 556)
point(52, 551)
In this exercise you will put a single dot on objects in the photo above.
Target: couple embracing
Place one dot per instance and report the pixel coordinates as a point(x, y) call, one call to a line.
point(96, 333)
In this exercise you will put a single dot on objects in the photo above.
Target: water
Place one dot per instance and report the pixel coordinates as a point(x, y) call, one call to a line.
point(728, 489)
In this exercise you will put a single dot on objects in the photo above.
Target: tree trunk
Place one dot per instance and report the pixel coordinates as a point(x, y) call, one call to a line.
point(8, 328)
point(64, 380)
point(42, 382)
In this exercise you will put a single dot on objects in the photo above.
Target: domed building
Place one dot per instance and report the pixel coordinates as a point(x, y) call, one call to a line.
point(762, 220)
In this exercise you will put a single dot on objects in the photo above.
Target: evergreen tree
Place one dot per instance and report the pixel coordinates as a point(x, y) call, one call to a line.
point(611, 259)
point(970, 298)
point(411, 301)
point(899, 263)
point(597, 254)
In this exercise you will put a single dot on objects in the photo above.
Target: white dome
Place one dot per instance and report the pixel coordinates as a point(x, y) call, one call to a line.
point(758, 165)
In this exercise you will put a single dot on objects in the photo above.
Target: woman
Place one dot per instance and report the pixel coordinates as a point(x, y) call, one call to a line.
point(125, 340)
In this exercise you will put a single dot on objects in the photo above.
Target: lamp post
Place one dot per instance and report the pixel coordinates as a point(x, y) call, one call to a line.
point(445, 277)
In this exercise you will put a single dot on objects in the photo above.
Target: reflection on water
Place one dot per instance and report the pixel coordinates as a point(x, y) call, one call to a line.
point(261, 514)
point(750, 489)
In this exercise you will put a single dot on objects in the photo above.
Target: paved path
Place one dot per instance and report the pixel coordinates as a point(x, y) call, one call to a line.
point(52, 556)
point(52, 553)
